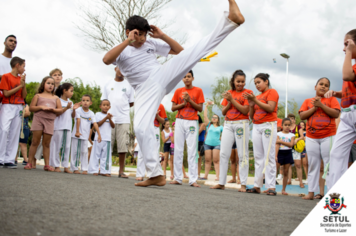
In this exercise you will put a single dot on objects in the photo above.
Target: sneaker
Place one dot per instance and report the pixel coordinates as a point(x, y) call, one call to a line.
point(279, 177)
point(1, 165)
point(24, 163)
point(10, 166)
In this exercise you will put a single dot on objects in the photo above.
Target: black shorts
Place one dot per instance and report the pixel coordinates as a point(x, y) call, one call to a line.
point(200, 145)
point(167, 147)
point(26, 132)
point(285, 157)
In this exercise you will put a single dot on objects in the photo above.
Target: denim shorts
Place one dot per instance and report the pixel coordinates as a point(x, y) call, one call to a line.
point(208, 147)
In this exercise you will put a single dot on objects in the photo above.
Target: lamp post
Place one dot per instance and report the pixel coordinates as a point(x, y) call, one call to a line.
point(286, 56)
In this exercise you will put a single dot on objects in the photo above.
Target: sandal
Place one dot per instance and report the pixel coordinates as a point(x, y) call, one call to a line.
point(252, 190)
point(271, 193)
point(202, 178)
point(318, 196)
point(123, 176)
point(48, 168)
point(28, 166)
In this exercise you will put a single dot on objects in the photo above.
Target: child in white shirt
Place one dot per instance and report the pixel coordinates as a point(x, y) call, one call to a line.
point(80, 136)
point(101, 151)
point(284, 146)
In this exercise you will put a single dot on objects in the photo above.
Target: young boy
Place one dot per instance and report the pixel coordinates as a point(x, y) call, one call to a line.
point(57, 75)
point(188, 101)
point(13, 86)
point(136, 58)
point(101, 151)
point(80, 136)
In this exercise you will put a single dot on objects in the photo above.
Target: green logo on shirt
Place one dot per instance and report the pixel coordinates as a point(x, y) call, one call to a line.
point(267, 133)
point(112, 88)
point(157, 137)
point(192, 129)
point(239, 132)
point(124, 90)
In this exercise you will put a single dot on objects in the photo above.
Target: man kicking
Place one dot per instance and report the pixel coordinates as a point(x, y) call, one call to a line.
point(136, 57)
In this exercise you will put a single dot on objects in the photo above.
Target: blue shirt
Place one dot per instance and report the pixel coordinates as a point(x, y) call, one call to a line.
point(201, 136)
point(213, 137)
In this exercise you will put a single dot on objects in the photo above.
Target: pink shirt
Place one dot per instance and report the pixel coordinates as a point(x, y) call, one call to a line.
point(47, 102)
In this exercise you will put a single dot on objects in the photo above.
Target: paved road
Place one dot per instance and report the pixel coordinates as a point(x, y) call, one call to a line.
point(41, 203)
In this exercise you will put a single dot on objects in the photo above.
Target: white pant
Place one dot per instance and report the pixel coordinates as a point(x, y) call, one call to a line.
point(339, 155)
point(79, 153)
point(100, 152)
point(234, 131)
point(264, 139)
point(158, 138)
point(60, 148)
point(317, 149)
point(10, 126)
point(186, 130)
point(150, 93)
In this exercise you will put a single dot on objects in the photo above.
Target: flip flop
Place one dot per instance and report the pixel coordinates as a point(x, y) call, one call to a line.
point(274, 193)
point(252, 190)
point(318, 196)
point(123, 176)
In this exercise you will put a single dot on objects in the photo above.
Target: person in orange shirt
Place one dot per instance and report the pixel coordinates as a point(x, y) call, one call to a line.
point(161, 117)
point(13, 86)
point(187, 101)
point(263, 112)
point(346, 133)
point(236, 129)
point(321, 113)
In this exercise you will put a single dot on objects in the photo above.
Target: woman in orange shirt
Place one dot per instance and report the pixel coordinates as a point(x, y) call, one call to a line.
point(263, 112)
point(321, 113)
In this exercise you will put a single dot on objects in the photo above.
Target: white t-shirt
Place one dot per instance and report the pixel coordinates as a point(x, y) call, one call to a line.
point(4, 65)
point(120, 95)
point(285, 138)
point(137, 147)
point(64, 121)
point(105, 128)
point(136, 64)
point(86, 119)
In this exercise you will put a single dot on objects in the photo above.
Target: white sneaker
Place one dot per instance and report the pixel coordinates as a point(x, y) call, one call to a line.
point(279, 177)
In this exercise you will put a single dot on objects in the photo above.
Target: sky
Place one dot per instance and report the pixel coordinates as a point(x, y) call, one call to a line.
point(311, 32)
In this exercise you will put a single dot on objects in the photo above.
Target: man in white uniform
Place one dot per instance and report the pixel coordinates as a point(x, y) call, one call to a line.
point(5, 58)
point(121, 96)
point(137, 59)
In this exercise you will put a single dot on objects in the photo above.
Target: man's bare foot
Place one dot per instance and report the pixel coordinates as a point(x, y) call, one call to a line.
point(284, 193)
point(218, 186)
point(233, 181)
point(310, 196)
point(158, 181)
point(76, 172)
point(217, 179)
point(175, 182)
point(235, 14)
point(66, 170)
point(301, 185)
point(186, 177)
point(106, 175)
point(266, 191)
point(289, 183)
point(84, 172)
point(95, 174)
point(195, 185)
point(139, 179)
point(57, 169)
point(242, 189)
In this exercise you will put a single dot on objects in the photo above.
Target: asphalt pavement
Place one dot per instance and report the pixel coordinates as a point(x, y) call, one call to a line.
point(37, 203)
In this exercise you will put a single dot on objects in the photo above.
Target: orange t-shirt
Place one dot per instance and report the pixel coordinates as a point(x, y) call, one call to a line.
point(320, 125)
point(233, 113)
point(262, 116)
point(355, 142)
point(188, 112)
point(8, 82)
point(279, 122)
point(162, 114)
point(349, 92)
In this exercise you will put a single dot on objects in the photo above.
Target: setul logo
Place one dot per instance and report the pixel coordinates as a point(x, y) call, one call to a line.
point(335, 205)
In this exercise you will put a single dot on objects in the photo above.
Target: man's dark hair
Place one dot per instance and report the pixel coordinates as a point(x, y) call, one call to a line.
point(137, 22)
point(16, 60)
point(191, 72)
point(10, 36)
